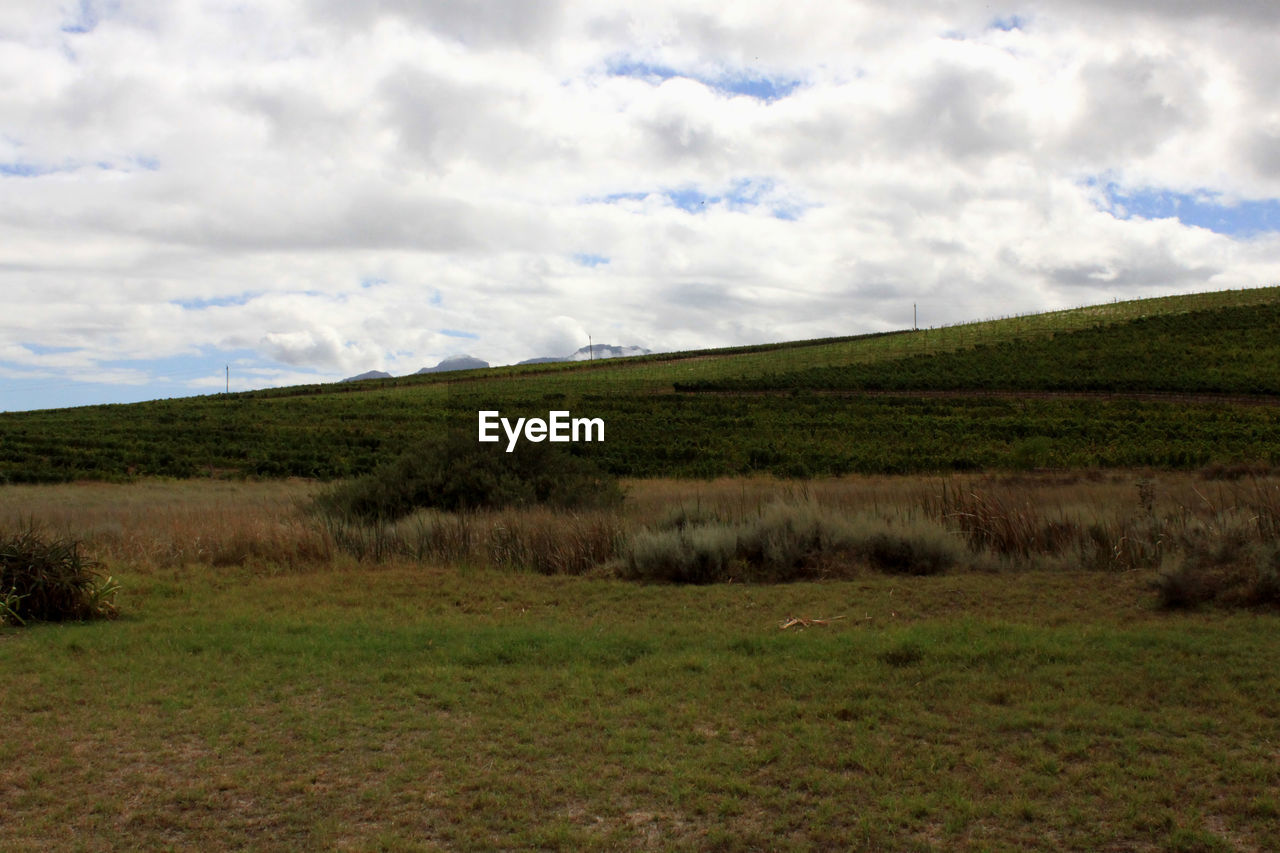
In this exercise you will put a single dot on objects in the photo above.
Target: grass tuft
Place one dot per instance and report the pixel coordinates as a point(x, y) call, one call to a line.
point(46, 579)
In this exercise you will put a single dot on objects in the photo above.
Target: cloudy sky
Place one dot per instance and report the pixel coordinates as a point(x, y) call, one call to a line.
point(308, 189)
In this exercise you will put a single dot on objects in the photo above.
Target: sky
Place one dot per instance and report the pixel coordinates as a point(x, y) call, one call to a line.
point(295, 191)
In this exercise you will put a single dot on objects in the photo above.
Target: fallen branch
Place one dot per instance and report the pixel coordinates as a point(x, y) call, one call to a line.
point(802, 622)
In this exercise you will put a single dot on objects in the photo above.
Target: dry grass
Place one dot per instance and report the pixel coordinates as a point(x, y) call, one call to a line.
point(1110, 521)
point(536, 539)
point(161, 524)
point(1115, 521)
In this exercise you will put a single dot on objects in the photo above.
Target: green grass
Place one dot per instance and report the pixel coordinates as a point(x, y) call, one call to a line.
point(413, 708)
point(340, 430)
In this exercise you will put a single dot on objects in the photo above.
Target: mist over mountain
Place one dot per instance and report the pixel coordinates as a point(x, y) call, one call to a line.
point(592, 353)
point(599, 351)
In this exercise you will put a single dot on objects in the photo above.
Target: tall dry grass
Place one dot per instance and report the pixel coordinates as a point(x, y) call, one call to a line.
point(163, 524)
point(536, 539)
point(1183, 525)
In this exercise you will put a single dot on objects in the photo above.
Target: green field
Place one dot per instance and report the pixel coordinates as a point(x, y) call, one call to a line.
point(774, 413)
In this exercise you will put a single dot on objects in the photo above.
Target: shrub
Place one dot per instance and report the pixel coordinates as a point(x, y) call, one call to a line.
point(789, 542)
point(460, 474)
point(922, 551)
point(45, 579)
point(702, 554)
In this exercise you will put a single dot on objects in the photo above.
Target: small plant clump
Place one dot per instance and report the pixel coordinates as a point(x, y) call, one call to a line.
point(46, 579)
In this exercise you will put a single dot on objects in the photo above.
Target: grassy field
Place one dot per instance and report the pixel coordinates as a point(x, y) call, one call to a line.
point(413, 708)
point(263, 688)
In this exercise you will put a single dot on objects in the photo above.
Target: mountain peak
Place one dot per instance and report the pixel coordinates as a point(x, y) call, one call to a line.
point(456, 362)
point(368, 374)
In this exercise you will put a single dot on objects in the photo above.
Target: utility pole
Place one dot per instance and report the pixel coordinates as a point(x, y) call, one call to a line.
point(591, 350)
point(915, 318)
point(228, 379)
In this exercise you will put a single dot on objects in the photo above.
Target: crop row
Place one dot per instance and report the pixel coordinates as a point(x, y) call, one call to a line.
point(654, 435)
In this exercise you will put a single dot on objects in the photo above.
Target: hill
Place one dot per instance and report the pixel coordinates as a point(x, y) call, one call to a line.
point(1232, 350)
point(977, 395)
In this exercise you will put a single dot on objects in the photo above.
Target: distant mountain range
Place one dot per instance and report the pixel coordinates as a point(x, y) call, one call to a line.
point(466, 362)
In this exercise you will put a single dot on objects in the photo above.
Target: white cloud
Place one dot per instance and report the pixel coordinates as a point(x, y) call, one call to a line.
point(322, 187)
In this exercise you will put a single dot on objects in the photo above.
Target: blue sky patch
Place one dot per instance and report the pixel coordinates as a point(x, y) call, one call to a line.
point(454, 333)
point(691, 199)
point(41, 349)
point(163, 377)
point(762, 87)
point(1201, 209)
point(1009, 23)
point(25, 170)
point(85, 20)
point(742, 194)
point(215, 302)
point(141, 161)
point(613, 198)
point(588, 259)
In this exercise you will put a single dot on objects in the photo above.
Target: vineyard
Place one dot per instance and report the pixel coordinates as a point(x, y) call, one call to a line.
point(1222, 351)
point(795, 409)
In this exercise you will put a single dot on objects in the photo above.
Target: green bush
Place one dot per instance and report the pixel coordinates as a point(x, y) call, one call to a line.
point(462, 474)
point(45, 579)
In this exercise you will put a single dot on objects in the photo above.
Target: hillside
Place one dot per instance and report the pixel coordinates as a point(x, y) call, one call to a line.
point(1233, 350)
point(661, 421)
